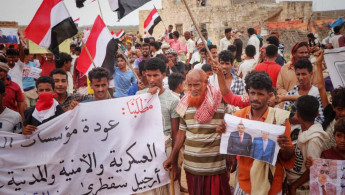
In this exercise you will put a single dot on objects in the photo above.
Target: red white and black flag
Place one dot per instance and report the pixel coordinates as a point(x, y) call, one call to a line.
point(124, 7)
point(102, 47)
point(152, 20)
point(51, 25)
point(119, 34)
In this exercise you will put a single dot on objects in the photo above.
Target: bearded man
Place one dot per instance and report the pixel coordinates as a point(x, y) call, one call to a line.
point(201, 111)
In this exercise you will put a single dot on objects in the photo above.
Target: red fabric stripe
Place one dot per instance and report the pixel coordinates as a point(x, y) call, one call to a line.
point(149, 17)
point(119, 33)
point(84, 61)
point(40, 24)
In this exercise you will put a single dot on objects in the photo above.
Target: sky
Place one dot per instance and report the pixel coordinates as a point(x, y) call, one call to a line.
point(22, 11)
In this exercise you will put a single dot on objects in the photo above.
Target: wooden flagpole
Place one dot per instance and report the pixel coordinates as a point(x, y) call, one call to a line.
point(88, 53)
point(172, 187)
point(161, 18)
point(99, 6)
point(197, 29)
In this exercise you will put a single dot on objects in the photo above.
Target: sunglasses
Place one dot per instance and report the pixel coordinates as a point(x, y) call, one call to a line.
point(324, 172)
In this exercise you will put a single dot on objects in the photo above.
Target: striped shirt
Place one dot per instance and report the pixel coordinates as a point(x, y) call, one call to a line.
point(201, 155)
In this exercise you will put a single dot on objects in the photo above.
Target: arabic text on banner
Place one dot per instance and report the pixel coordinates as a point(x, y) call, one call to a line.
point(105, 147)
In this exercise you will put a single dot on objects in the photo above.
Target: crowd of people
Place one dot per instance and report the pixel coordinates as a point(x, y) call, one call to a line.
point(196, 89)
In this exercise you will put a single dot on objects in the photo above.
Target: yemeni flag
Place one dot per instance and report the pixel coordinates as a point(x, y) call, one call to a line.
point(119, 34)
point(124, 7)
point(45, 107)
point(51, 25)
point(152, 20)
point(102, 47)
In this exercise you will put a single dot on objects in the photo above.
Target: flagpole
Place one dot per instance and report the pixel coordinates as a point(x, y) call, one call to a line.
point(198, 30)
point(100, 10)
point(88, 53)
point(160, 16)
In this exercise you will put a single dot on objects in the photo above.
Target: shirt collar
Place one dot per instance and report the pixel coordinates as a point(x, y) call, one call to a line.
point(249, 114)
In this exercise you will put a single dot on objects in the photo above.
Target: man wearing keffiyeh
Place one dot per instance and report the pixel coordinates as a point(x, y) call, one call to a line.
point(201, 111)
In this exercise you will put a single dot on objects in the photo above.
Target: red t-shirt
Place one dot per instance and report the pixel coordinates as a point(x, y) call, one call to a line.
point(331, 154)
point(13, 95)
point(46, 67)
point(271, 68)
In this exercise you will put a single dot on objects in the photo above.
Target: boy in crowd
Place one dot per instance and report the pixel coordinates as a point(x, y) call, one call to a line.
point(64, 61)
point(207, 69)
point(123, 78)
point(45, 89)
point(310, 143)
point(248, 63)
point(175, 81)
point(99, 82)
point(304, 72)
point(10, 121)
point(142, 83)
point(67, 101)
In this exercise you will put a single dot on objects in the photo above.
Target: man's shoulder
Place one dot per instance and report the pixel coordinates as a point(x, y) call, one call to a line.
point(142, 91)
point(168, 94)
point(10, 113)
point(243, 112)
point(29, 110)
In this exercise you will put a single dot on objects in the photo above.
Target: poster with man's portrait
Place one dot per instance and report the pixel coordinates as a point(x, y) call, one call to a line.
point(254, 139)
point(9, 35)
point(327, 177)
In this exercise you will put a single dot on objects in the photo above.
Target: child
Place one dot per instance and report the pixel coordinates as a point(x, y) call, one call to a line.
point(46, 103)
point(310, 142)
point(337, 152)
point(123, 78)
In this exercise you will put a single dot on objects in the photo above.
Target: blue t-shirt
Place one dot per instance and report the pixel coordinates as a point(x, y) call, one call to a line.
point(133, 89)
point(123, 81)
point(29, 81)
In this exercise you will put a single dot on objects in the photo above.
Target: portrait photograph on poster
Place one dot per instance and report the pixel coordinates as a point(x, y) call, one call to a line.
point(254, 139)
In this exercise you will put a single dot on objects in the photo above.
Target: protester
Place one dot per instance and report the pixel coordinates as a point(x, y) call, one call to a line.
point(253, 40)
point(47, 63)
point(235, 83)
point(46, 107)
point(275, 41)
point(155, 49)
point(145, 51)
point(200, 112)
point(281, 46)
point(197, 55)
point(99, 83)
point(227, 40)
point(269, 65)
point(10, 121)
point(165, 47)
point(310, 143)
point(64, 61)
point(248, 63)
point(287, 78)
point(176, 84)
point(14, 98)
point(174, 65)
point(239, 46)
point(207, 69)
point(123, 78)
point(16, 66)
point(29, 82)
point(313, 42)
point(190, 46)
point(142, 83)
point(253, 174)
point(175, 42)
point(335, 39)
point(66, 100)
point(155, 71)
point(304, 72)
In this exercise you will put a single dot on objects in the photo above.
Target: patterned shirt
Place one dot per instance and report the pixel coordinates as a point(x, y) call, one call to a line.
point(290, 105)
point(237, 85)
point(201, 155)
point(76, 97)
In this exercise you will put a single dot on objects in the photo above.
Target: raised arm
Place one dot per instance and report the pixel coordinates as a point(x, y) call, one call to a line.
point(321, 82)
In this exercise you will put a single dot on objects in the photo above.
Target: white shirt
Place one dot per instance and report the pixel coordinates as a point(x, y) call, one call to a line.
point(335, 41)
point(253, 40)
point(11, 121)
point(246, 67)
point(190, 46)
point(195, 57)
point(16, 73)
point(224, 43)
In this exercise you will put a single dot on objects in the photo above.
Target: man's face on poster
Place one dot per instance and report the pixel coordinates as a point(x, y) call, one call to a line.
point(240, 128)
point(264, 135)
point(323, 174)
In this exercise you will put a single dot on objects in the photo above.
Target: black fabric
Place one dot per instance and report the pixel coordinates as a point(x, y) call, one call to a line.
point(62, 31)
point(127, 6)
point(30, 120)
point(280, 60)
point(156, 21)
point(329, 115)
point(178, 67)
point(109, 60)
